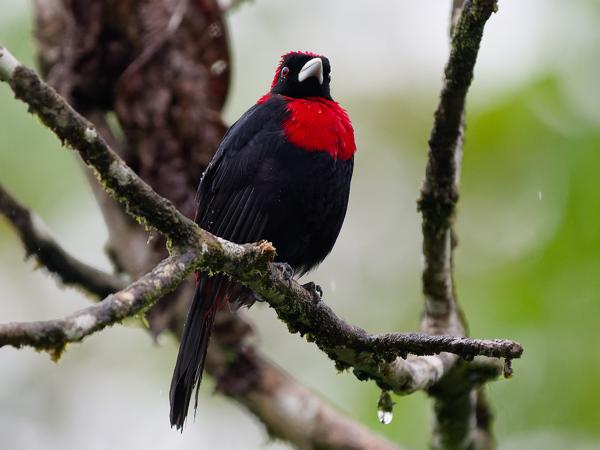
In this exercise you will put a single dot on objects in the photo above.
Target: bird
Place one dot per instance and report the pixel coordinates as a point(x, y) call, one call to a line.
point(281, 173)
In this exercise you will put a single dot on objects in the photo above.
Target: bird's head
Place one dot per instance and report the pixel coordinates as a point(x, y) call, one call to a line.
point(302, 74)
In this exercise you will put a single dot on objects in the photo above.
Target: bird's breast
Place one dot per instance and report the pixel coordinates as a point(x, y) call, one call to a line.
point(318, 124)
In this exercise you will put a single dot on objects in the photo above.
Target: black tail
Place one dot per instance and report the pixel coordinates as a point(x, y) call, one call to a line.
point(192, 349)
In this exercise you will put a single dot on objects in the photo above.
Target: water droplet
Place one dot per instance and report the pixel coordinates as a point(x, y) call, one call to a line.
point(385, 417)
point(385, 407)
point(540, 195)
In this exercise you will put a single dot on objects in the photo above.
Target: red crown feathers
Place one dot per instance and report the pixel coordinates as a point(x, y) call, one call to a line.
point(283, 57)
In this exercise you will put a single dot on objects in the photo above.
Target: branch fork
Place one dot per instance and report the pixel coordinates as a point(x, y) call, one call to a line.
point(401, 362)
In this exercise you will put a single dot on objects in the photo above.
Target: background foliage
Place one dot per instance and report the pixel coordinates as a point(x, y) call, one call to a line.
point(527, 264)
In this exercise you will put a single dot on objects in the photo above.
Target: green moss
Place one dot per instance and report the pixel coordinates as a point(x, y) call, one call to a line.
point(56, 352)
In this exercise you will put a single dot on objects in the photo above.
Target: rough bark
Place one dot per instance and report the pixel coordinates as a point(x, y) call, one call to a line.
point(455, 403)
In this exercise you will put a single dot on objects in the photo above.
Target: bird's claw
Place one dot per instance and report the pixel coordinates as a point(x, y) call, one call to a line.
point(286, 272)
point(315, 291)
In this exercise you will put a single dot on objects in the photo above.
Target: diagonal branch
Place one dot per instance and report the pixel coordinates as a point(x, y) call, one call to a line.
point(78, 133)
point(248, 264)
point(53, 335)
point(38, 242)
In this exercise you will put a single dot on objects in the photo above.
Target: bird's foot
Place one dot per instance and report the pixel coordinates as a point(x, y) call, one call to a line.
point(315, 291)
point(286, 272)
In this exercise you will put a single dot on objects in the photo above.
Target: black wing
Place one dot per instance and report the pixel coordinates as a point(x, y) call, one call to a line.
point(233, 203)
point(234, 196)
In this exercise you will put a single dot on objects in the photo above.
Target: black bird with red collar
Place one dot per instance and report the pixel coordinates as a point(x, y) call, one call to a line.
point(282, 173)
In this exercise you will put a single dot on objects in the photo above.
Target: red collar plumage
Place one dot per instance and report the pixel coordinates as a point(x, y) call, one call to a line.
point(318, 124)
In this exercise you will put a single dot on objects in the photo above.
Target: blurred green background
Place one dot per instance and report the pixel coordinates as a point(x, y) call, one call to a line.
point(527, 267)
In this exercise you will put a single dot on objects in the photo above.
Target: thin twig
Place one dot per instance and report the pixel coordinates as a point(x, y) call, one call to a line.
point(38, 242)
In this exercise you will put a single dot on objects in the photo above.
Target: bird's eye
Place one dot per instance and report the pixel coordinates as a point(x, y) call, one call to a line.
point(284, 72)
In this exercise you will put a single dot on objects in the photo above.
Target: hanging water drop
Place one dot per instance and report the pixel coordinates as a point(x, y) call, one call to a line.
point(385, 408)
point(385, 417)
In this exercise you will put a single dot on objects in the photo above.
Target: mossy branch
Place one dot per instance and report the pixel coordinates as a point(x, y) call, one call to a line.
point(196, 249)
point(455, 424)
point(439, 194)
point(53, 335)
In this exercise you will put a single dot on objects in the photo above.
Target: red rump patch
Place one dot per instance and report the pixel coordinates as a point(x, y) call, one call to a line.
point(280, 65)
point(319, 124)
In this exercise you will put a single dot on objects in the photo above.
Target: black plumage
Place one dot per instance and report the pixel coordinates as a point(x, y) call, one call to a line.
point(260, 186)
